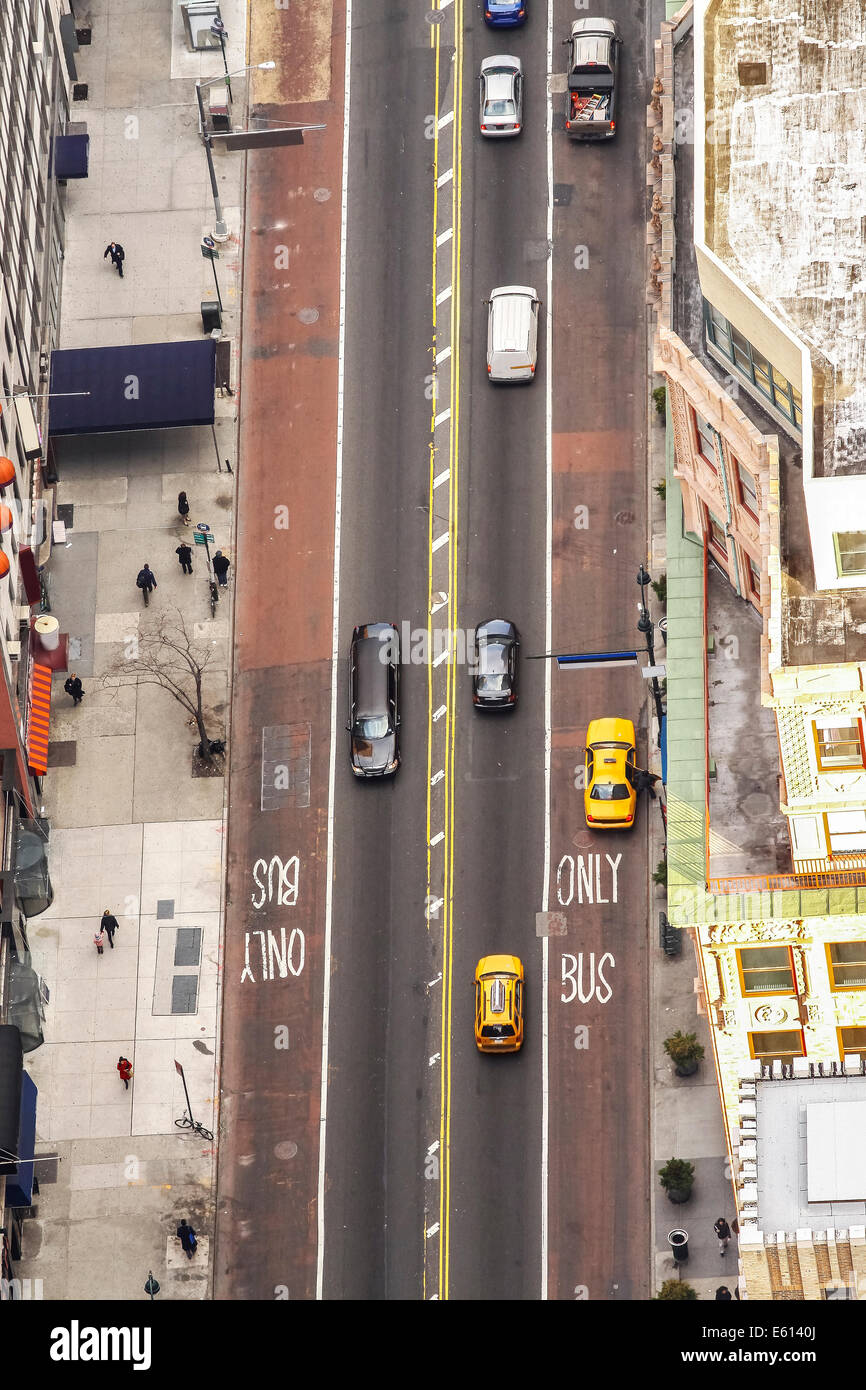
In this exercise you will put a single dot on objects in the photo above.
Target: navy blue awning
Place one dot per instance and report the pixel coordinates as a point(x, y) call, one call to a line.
point(11, 1071)
point(71, 156)
point(19, 1189)
point(663, 740)
point(144, 386)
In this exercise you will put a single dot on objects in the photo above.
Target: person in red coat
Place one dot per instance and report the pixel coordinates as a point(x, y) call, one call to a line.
point(124, 1066)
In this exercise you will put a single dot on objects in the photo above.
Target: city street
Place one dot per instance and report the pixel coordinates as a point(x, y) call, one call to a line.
point(445, 1173)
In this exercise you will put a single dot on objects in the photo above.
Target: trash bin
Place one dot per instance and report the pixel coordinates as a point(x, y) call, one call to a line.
point(211, 317)
point(679, 1243)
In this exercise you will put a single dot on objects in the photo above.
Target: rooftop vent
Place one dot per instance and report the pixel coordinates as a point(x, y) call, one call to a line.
point(752, 74)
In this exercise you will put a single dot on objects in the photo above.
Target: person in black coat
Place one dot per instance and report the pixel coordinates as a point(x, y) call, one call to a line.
point(183, 508)
point(221, 567)
point(723, 1294)
point(184, 555)
point(186, 1236)
point(109, 924)
point(117, 254)
point(74, 688)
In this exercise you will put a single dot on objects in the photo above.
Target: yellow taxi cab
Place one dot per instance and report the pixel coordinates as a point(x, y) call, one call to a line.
point(609, 798)
point(499, 1004)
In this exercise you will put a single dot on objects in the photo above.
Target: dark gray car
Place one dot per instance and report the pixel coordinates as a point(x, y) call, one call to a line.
point(374, 720)
point(494, 679)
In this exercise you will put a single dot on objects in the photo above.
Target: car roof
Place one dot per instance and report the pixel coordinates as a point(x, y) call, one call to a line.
point(514, 289)
point(581, 28)
point(499, 965)
point(610, 730)
point(371, 687)
point(499, 85)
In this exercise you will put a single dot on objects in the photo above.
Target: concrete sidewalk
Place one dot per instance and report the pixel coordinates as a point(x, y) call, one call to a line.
point(134, 828)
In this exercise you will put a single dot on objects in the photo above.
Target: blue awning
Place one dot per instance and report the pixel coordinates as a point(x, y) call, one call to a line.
point(19, 1189)
point(71, 155)
point(11, 1071)
point(663, 740)
point(143, 386)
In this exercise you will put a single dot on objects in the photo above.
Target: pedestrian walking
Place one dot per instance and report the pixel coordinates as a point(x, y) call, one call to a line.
point(117, 254)
point(186, 1236)
point(73, 687)
point(146, 581)
point(723, 1231)
point(99, 943)
point(183, 508)
point(221, 568)
point(124, 1066)
point(109, 925)
point(643, 781)
point(184, 555)
point(723, 1294)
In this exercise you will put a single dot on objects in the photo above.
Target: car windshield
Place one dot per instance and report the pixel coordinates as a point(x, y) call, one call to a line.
point(372, 728)
point(595, 746)
point(609, 791)
point(497, 1030)
point(499, 108)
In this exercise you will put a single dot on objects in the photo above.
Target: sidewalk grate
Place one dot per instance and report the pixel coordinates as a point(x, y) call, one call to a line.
point(164, 909)
point(285, 766)
point(187, 947)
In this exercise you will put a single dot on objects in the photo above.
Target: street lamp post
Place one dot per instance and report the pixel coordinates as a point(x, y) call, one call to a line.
point(645, 626)
point(220, 230)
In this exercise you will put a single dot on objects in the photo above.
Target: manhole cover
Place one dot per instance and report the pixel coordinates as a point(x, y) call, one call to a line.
point(288, 1149)
point(624, 518)
point(308, 315)
point(322, 195)
point(562, 194)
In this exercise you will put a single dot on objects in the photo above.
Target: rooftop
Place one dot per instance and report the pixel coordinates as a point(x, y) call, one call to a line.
point(786, 188)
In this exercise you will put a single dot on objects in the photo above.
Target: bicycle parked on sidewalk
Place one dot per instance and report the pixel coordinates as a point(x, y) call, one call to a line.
point(186, 1122)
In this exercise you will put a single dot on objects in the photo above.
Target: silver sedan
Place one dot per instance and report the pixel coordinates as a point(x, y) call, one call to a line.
point(501, 88)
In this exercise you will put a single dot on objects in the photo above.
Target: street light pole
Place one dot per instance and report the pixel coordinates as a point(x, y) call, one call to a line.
point(645, 626)
point(220, 230)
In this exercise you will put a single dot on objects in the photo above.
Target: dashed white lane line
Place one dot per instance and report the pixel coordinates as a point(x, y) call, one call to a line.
point(443, 295)
point(443, 355)
point(444, 236)
point(437, 777)
point(441, 600)
point(445, 178)
point(442, 478)
point(437, 715)
point(443, 656)
point(440, 541)
point(442, 417)
point(445, 120)
point(437, 838)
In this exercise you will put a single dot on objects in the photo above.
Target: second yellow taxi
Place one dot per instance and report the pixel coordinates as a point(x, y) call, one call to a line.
point(499, 1004)
point(609, 797)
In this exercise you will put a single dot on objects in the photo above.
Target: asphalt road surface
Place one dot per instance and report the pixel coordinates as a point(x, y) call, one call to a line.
point(385, 1046)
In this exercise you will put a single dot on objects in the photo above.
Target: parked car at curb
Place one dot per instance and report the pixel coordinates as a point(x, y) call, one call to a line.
point(499, 989)
point(593, 69)
point(374, 717)
point(500, 96)
point(609, 799)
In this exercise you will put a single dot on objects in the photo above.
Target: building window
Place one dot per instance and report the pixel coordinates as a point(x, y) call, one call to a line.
point(767, 379)
point(748, 489)
point(706, 441)
point(852, 1040)
point(777, 1046)
point(850, 552)
point(839, 745)
point(716, 536)
point(846, 831)
point(846, 963)
point(754, 576)
point(766, 970)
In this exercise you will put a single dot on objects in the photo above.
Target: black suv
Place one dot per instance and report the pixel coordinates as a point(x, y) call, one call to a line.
point(373, 724)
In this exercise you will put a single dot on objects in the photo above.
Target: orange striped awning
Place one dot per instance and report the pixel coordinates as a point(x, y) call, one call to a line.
point(38, 718)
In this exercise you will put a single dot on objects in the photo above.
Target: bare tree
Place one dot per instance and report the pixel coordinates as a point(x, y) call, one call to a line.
point(166, 654)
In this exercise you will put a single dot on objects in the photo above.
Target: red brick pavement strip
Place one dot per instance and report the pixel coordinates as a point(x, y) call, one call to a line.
point(270, 1095)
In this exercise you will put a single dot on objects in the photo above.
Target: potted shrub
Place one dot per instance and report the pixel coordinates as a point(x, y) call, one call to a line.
point(660, 399)
point(677, 1178)
point(675, 1289)
point(684, 1051)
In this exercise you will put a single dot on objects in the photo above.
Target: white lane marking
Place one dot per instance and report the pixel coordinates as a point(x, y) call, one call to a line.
point(443, 4)
point(335, 641)
point(440, 541)
point(438, 980)
point(437, 838)
point(444, 236)
point(435, 1145)
point(440, 602)
point(442, 417)
point(437, 715)
point(445, 120)
point(437, 777)
point(442, 478)
point(444, 178)
point(437, 1057)
point(548, 640)
point(442, 355)
point(432, 1230)
point(443, 656)
point(443, 295)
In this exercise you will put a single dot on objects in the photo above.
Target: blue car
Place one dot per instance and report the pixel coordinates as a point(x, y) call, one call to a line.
point(505, 14)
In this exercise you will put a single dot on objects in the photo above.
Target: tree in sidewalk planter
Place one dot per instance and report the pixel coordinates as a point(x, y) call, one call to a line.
point(684, 1051)
point(677, 1178)
point(675, 1289)
point(168, 654)
point(660, 399)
